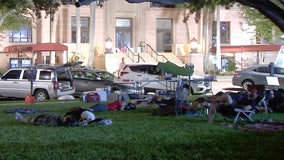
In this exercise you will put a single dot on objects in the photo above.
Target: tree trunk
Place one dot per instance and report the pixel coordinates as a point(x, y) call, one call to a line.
point(208, 18)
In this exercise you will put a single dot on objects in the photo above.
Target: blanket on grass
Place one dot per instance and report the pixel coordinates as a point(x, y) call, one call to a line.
point(24, 110)
point(263, 126)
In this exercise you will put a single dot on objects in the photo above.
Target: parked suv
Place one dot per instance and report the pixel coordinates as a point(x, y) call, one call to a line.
point(150, 77)
point(49, 82)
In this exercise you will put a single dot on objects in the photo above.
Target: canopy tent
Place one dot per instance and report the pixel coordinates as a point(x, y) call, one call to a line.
point(247, 48)
point(172, 68)
point(36, 47)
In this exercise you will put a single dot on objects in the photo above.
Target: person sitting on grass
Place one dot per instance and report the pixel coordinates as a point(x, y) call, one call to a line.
point(225, 103)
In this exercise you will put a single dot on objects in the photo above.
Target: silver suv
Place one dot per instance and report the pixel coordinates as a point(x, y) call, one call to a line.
point(44, 82)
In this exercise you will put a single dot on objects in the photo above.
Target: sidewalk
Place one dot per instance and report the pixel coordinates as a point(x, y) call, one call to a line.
point(221, 83)
point(224, 78)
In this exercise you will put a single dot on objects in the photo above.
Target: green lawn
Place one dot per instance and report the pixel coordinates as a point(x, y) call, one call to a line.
point(135, 135)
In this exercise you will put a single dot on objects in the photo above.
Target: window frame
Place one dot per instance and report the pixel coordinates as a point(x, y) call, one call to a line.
point(19, 34)
point(16, 73)
point(224, 38)
point(121, 32)
point(83, 29)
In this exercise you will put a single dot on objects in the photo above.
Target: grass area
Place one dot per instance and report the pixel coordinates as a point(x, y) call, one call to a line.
point(134, 135)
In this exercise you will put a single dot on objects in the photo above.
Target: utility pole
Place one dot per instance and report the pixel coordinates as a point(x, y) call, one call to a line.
point(78, 31)
point(218, 47)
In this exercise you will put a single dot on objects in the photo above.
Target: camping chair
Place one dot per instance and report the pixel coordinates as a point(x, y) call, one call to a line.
point(248, 114)
point(241, 114)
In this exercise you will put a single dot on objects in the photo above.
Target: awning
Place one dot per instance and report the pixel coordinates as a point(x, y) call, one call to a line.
point(247, 48)
point(172, 68)
point(36, 47)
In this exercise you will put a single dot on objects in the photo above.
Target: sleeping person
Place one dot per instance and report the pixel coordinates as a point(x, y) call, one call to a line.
point(48, 120)
point(75, 116)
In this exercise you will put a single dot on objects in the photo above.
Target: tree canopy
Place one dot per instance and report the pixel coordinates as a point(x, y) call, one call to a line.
point(266, 7)
point(266, 31)
point(16, 13)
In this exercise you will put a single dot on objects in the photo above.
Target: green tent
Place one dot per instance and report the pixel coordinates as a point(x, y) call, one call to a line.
point(172, 68)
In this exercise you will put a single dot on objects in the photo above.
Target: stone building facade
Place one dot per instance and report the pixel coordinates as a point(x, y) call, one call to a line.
point(132, 28)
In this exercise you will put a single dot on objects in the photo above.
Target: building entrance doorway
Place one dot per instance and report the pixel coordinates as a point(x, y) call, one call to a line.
point(123, 33)
point(164, 35)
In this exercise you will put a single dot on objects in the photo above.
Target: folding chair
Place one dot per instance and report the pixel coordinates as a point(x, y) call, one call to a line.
point(248, 114)
point(241, 114)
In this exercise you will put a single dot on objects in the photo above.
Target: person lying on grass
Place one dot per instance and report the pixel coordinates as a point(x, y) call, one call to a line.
point(225, 103)
point(113, 106)
point(82, 115)
point(48, 120)
point(75, 116)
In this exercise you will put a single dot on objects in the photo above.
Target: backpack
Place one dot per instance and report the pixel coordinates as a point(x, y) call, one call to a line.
point(92, 97)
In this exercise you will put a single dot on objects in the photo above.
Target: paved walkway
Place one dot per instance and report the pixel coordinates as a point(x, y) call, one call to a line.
point(224, 78)
point(221, 83)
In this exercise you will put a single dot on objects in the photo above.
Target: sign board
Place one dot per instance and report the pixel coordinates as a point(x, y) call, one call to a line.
point(213, 59)
point(272, 81)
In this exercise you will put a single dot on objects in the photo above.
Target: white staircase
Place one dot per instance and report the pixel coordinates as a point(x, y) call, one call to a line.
point(173, 58)
point(163, 57)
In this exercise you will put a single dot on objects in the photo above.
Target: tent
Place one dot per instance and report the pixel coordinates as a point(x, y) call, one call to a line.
point(172, 68)
point(39, 47)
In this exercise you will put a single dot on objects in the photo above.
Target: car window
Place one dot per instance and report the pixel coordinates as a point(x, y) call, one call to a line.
point(136, 69)
point(63, 76)
point(78, 74)
point(149, 69)
point(13, 74)
point(263, 70)
point(279, 70)
point(45, 75)
point(106, 75)
point(91, 76)
point(30, 74)
point(25, 76)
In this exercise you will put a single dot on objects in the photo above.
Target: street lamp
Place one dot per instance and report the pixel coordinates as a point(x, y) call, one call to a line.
point(80, 3)
point(100, 3)
point(108, 45)
point(193, 45)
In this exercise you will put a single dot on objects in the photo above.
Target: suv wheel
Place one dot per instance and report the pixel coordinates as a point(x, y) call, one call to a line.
point(41, 95)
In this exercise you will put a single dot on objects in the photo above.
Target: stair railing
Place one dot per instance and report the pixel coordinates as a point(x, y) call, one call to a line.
point(132, 56)
point(155, 55)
